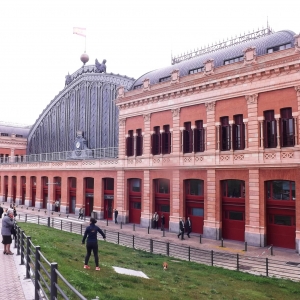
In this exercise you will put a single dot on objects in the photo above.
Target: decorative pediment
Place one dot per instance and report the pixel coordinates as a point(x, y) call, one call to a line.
point(209, 67)
point(146, 84)
point(249, 55)
point(175, 76)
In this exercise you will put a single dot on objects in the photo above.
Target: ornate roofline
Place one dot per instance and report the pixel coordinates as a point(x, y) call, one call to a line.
point(225, 44)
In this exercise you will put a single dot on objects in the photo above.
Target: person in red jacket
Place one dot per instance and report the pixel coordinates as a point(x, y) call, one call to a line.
point(92, 243)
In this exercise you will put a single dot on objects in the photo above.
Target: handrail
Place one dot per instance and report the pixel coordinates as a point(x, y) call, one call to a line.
point(37, 272)
point(97, 153)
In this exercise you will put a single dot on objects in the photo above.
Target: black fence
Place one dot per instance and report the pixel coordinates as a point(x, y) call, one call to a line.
point(48, 282)
point(243, 263)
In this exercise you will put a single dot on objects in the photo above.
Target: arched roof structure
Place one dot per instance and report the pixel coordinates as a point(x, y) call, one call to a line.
point(85, 104)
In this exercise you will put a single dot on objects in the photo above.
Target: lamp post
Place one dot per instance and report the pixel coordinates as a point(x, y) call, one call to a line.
point(48, 201)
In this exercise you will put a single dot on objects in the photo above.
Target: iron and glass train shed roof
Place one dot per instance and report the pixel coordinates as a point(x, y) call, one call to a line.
point(262, 45)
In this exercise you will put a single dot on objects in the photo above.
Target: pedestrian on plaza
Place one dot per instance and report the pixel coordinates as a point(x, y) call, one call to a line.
point(162, 222)
point(15, 211)
point(181, 229)
point(92, 243)
point(6, 231)
point(156, 220)
point(56, 205)
point(1, 211)
point(81, 212)
point(116, 216)
point(5, 212)
point(188, 226)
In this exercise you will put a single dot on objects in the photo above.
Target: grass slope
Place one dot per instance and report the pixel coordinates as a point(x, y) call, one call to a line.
point(183, 280)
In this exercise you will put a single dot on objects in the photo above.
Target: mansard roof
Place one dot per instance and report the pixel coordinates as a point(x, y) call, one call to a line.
point(262, 45)
point(11, 128)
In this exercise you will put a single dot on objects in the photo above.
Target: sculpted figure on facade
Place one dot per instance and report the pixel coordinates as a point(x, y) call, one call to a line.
point(297, 88)
point(68, 79)
point(120, 92)
point(210, 106)
point(175, 112)
point(251, 99)
point(147, 117)
point(100, 68)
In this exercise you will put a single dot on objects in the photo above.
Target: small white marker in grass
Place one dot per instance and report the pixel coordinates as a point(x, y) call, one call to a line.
point(130, 272)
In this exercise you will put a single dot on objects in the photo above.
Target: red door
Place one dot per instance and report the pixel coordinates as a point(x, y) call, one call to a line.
point(163, 207)
point(195, 211)
point(281, 228)
point(108, 208)
point(135, 210)
point(89, 205)
point(233, 221)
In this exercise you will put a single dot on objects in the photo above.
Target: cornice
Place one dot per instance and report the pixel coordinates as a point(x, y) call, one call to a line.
point(248, 74)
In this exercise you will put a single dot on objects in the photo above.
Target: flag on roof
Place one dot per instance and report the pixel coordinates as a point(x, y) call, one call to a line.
point(79, 31)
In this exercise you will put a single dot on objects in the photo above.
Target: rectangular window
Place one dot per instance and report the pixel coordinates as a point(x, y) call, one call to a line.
point(165, 208)
point(283, 220)
point(136, 87)
point(4, 134)
point(199, 136)
point(130, 144)
point(279, 48)
point(225, 134)
point(19, 135)
point(197, 70)
point(238, 133)
point(109, 184)
point(163, 79)
point(89, 183)
point(163, 186)
point(270, 130)
point(166, 140)
point(139, 142)
point(287, 127)
point(233, 60)
point(156, 139)
point(136, 205)
point(236, 215)
point(136, 185)
point(281, 190)
point(195, 187)
point(234, 188)
point(198, 212)
point(187, 138)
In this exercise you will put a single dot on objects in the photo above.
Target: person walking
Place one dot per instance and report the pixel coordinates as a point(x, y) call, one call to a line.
point(1, 211)
point(15, 211)
point(92, 243)
point(56, 205)
point(156, 220)
point(81, 211)
point(6, 230)
point(188, 226)
point(116, 216)
point(181, 228)
point(162, 222)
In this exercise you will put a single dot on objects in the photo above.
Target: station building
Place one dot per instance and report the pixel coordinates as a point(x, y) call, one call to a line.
point(214, 137)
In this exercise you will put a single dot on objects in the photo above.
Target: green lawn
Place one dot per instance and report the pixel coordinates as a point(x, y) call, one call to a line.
point(183, 280)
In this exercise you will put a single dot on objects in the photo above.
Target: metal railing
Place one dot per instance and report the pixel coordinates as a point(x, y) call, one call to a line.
point(98, 153)
point(244, 263)
point(44, 275)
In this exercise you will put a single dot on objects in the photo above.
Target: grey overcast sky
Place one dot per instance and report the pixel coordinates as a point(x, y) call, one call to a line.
point(38, 47)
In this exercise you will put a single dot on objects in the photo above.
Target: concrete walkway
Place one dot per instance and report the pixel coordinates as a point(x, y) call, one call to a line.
point(14, 285)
